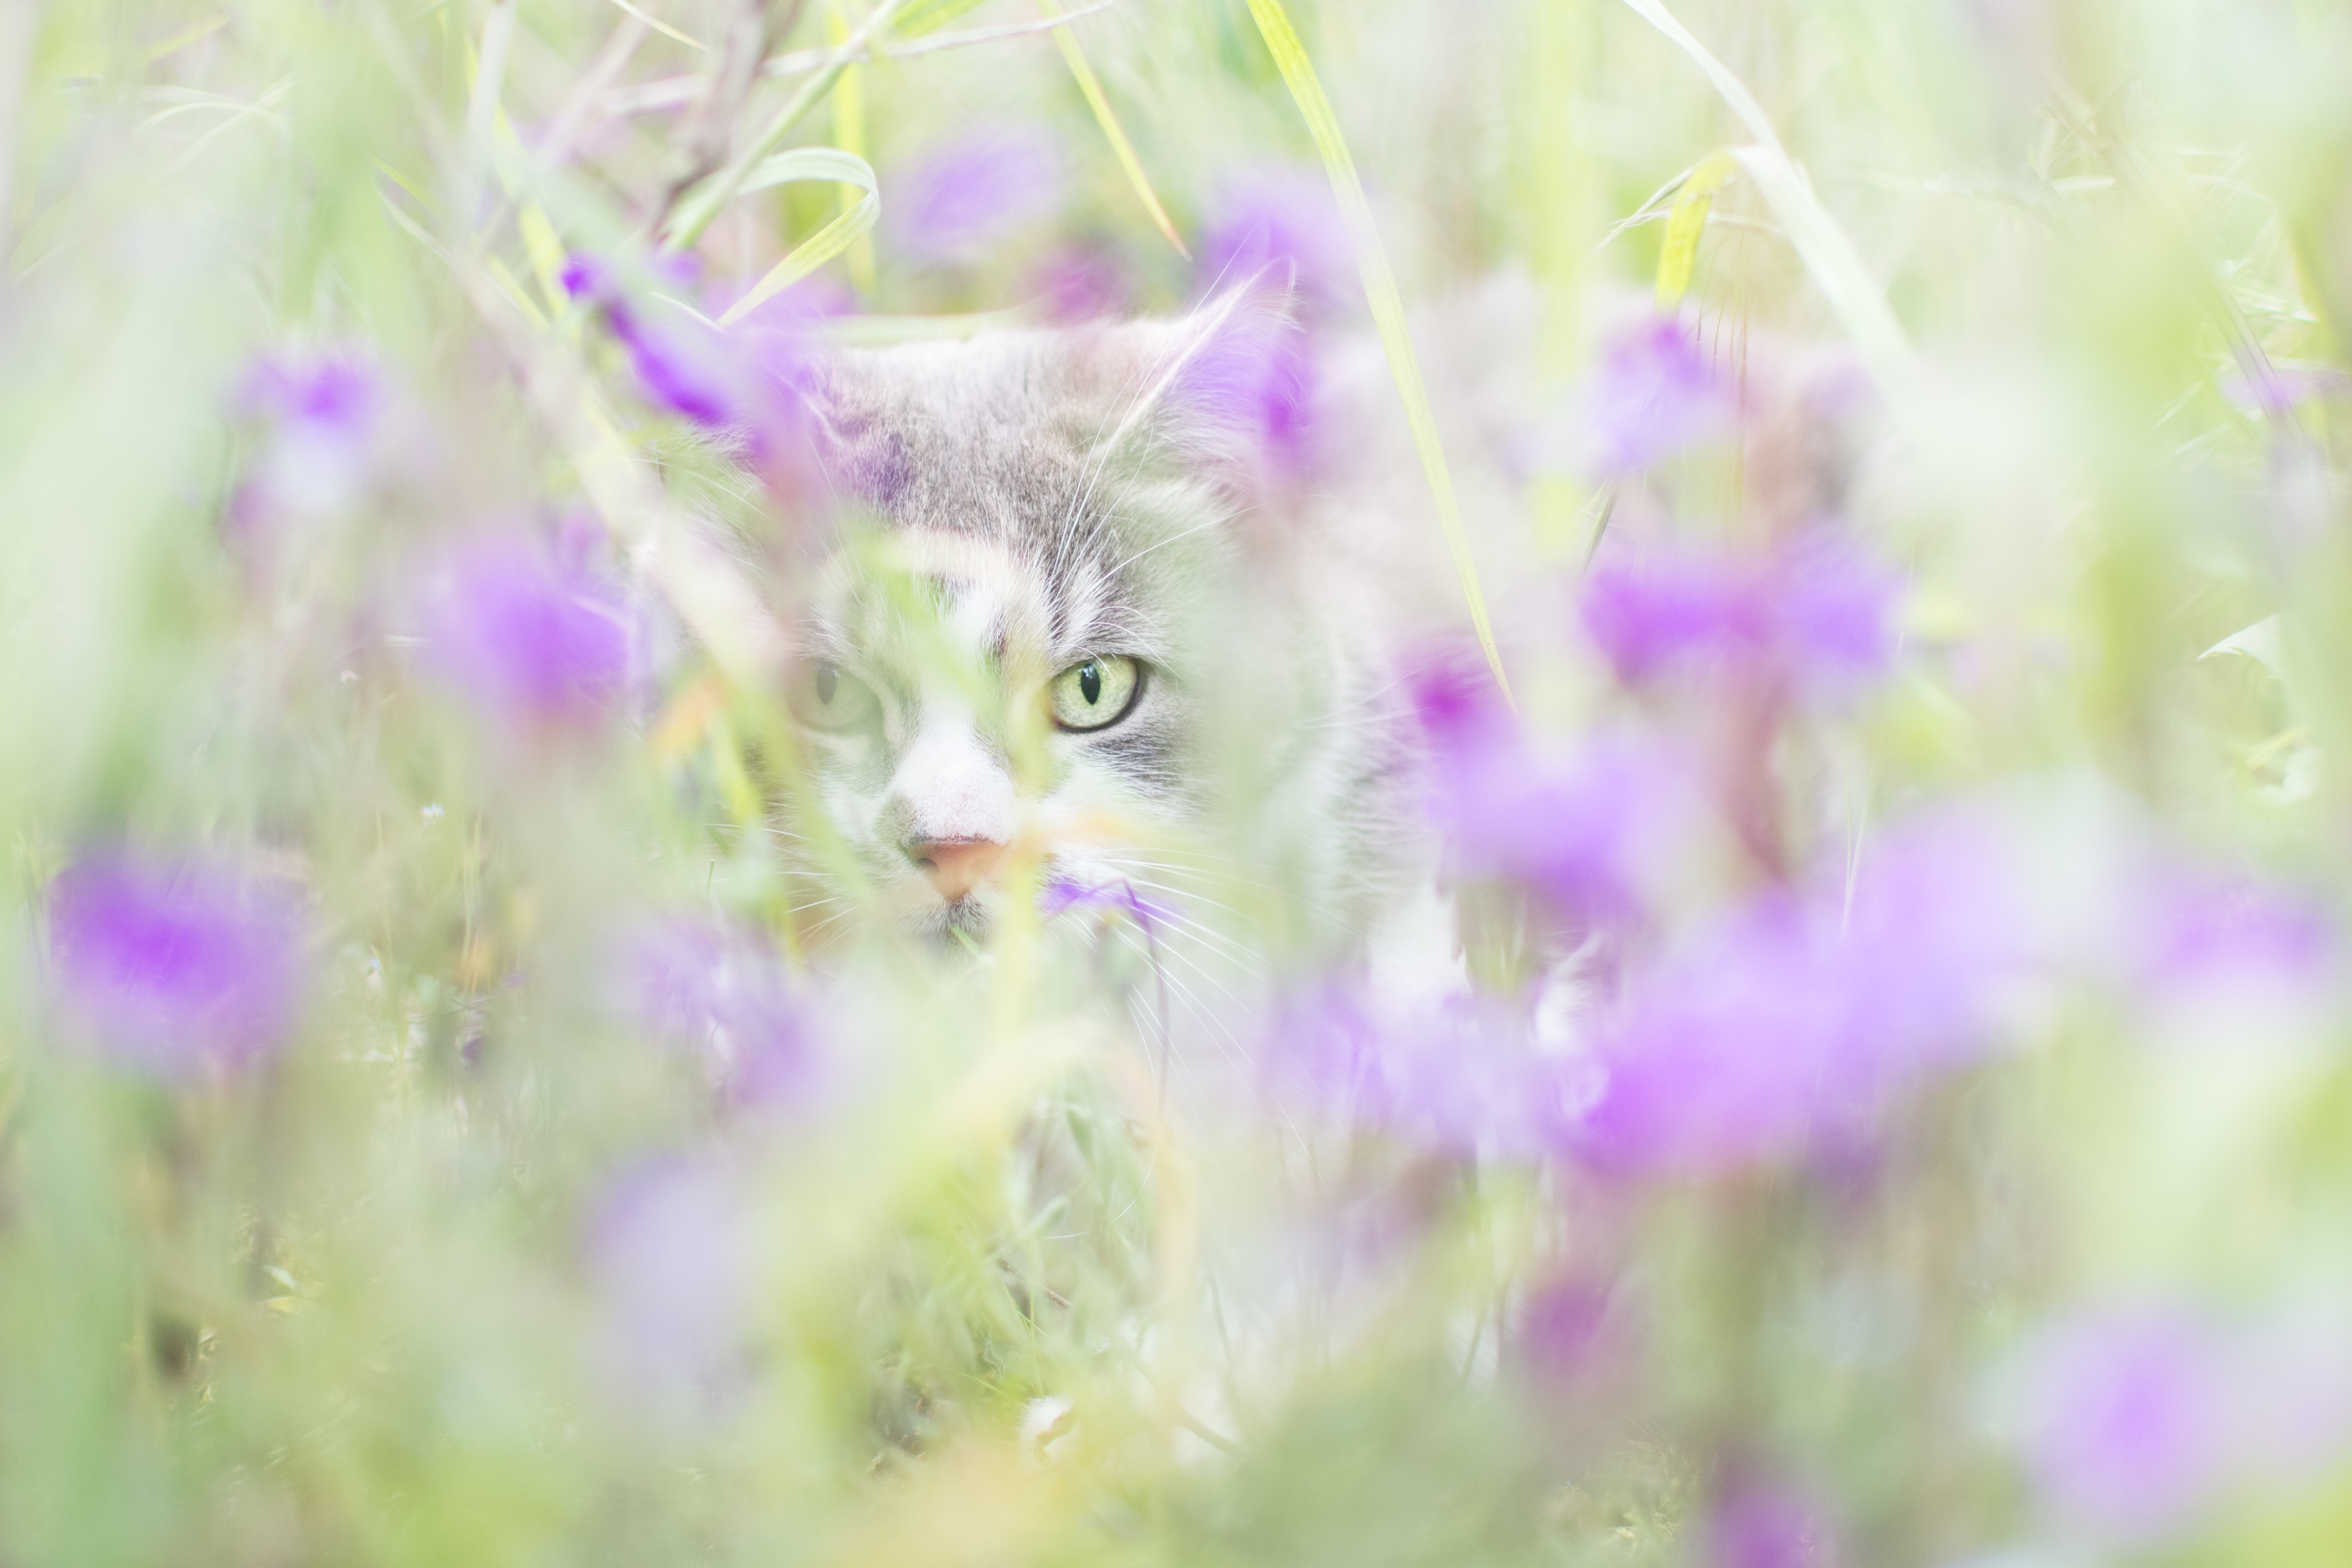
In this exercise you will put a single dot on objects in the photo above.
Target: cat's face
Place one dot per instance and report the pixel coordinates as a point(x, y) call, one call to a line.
point(997, 669)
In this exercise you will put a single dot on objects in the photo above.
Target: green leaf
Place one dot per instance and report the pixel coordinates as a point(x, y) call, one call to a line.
point(1388, 304)
point(825, 163)
point(1679, 253)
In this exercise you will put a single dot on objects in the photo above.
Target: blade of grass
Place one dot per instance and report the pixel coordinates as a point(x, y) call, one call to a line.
point(1678, 253)
point(1076, 55)
point(1388, 304)
point(927, 15)
point(811, 164)
point(707, 200)
point(1830, 257)
point(849, 135)
point(664, 28)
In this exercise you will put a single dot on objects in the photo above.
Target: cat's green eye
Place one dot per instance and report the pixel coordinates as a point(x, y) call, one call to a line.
point(1095, 693)
point(830, 698)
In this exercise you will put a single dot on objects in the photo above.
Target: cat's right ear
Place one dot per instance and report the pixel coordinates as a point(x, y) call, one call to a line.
point(1231, 385)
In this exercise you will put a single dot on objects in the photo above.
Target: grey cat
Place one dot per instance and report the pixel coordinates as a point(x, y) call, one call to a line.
point(1097, 607)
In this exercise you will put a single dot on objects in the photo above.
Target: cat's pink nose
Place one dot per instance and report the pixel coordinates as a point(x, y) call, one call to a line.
point(956, 866)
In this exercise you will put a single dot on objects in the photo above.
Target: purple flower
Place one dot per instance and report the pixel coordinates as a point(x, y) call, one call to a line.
point(1652, 395)
point(321, 414)
point(1250, 375)
point(173, 968)
point(1793, 1016)
point(1083, 283)
point(1459, 1078)
point(1816, 609)
point(740, 382)
point(2130, 1418)
point(527, 640)
point(2283, 387)
point(668, 1248)
point(2205, 929)
point(964, 194)
point(1060, 897)
point(2138, 1417)
point(333, 391)
point(722, 992)
point(1281, 220)
point(1739, 1045)
point(1760, 1526)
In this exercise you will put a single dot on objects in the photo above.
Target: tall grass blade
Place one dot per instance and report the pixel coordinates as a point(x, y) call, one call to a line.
point(1388, 304)
point(1112, 130)
point(1836, 267)
point(851, 172)
point(849, 135)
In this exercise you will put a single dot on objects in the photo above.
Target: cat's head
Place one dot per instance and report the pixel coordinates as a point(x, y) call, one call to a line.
point(1051, 557)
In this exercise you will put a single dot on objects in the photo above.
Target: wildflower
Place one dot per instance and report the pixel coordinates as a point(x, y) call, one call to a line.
point(1738, 1046)
point(525, 640)
point(1283, 220)
point(1756, 1526)
point(1456, 1077)
point(1083, 283)
point(2130, 1424)
point(667, 1251)
point(1060, 897)
point(1251, 374)
point(171, 967)
point(1652, 395)
point(2138, 1417)
point(2206, 927)
point(721, 991)
point(966, 194)
point(1795, 1014)
point(1815, 610)
point(320, 414)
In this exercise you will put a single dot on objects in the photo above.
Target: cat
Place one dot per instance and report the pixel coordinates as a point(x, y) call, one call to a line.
point(1096, 605)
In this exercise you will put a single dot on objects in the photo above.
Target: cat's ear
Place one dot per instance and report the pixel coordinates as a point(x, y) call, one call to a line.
point(1230, 386)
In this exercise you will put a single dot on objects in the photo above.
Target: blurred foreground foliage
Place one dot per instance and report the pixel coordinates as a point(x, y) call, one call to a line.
point(445, 1246)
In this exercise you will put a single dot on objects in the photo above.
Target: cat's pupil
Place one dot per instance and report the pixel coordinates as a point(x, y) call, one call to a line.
point(828, 681)
point(1090, 682)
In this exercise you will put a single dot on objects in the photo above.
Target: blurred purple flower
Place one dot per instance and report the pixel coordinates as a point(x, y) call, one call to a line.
point(1600, 829)
point(1083, 283)
point(1459, 1078)
point(2130, 1418)
point(1253, 374)
point(2209, 928)
point(321, 412)
point(967, 192)
point(1760, 1526)
point(525, 640)
point(333, 391)
point(723, 992)
point(1282, 221)
point(1565, 1331)
point(1738, 1047)
point(1793, 1016)
point(1060, 897)
point(1817, 610)
point(682, 365)
point(668, 1250)
point(741, 381)
point(1652, 395)
point(171, 967)
point(2138, 1417)
point(2283, 387)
